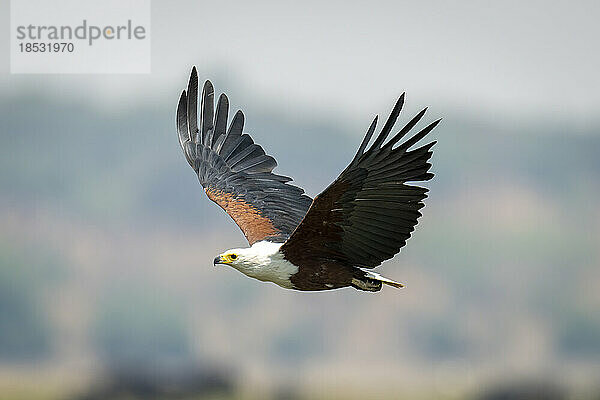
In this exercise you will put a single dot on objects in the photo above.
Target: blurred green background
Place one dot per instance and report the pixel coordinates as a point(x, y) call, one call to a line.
point(107, 289)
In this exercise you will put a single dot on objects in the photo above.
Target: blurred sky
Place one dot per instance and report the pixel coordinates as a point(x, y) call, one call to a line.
point(533, 58)
point(511, 287)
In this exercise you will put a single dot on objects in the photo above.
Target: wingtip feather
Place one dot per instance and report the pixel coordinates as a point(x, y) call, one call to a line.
point(391, 121)
point(366, 139)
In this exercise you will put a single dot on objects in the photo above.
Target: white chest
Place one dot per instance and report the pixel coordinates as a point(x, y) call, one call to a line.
point(277, 271)
point(265, 263)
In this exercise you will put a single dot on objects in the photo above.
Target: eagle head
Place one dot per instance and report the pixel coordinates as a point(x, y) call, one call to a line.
point(259, 255)
point(262, 261)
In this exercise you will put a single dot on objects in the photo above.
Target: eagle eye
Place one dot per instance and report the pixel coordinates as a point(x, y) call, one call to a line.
point(233, 256)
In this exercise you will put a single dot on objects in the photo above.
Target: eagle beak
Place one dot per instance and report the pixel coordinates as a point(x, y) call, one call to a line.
point(217, 260)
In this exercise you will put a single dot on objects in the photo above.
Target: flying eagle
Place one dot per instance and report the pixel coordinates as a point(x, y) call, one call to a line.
point(363, 218)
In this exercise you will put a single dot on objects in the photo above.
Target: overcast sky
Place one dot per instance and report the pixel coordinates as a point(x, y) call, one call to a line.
point(509, 57)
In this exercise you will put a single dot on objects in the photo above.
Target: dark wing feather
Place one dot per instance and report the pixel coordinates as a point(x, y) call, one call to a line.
point(368, 213)
point(234, 171)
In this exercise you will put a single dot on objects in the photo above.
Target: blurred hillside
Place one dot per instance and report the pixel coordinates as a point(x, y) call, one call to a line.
point(107, 241)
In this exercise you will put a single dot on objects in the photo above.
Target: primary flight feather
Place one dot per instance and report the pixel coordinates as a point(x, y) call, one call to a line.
point(362, 219)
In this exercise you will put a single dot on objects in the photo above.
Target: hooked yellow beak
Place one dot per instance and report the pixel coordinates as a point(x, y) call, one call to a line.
point(218, 260)
point(225, 259)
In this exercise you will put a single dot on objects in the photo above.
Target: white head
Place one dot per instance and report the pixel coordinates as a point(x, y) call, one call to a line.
point(249, 259)
point(262, 261)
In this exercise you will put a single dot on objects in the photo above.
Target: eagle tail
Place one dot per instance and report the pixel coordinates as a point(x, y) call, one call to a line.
point(383, 279)
point(372, 281)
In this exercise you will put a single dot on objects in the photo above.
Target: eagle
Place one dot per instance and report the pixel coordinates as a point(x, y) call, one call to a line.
point(332, 241)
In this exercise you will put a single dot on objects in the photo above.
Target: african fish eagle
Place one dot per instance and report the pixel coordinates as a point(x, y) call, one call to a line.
point(332, 241)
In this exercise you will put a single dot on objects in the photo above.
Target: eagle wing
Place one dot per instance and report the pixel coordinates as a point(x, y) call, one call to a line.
point(234, 171)
point(366, 215)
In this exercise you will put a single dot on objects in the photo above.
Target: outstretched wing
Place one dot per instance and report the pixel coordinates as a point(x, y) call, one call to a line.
point(366, 215)
point(234, 171)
